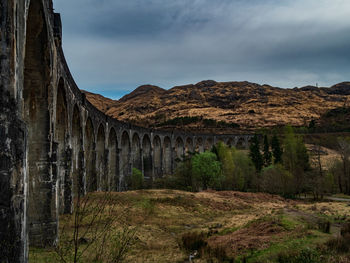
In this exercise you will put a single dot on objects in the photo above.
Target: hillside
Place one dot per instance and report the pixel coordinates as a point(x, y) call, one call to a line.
point(246, 104)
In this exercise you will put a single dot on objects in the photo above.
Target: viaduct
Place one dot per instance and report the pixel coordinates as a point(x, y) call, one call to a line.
point(54, 143)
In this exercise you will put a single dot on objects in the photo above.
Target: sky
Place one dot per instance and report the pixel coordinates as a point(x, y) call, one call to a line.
point(114, 46)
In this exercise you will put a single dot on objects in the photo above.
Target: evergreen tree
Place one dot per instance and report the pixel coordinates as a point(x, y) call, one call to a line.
point(276, 150)
point(255, 154)
point(267, 154)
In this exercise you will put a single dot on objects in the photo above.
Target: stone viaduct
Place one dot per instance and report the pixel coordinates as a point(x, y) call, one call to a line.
point(53, 143)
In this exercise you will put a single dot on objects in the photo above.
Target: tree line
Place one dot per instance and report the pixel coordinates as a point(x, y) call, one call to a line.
point(277, 164)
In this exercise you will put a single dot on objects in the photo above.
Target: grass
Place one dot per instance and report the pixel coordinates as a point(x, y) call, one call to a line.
point(161, 218)
point(271, 254)
point(341, 196)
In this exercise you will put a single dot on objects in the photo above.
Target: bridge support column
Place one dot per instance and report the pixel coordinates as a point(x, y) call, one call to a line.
point(142, 163)
point(42, 203)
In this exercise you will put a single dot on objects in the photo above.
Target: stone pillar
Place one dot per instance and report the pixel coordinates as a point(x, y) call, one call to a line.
point(41, 213)
point(142, 164)
point(121, 171)
point(13, 183)
point(67, 182)
point(173, 156)
point(153, 163)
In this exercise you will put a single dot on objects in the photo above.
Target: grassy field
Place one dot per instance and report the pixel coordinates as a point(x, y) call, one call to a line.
point(169, 225)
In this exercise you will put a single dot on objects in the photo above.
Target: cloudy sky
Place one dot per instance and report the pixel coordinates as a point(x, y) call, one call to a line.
point(113, 46)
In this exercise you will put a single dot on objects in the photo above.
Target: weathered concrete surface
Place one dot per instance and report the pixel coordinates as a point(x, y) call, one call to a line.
point(54, 144)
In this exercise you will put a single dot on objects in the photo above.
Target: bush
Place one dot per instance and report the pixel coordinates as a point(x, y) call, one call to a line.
point(136, 179)
point(277, 180)
point(193, 241)
point(341, 244)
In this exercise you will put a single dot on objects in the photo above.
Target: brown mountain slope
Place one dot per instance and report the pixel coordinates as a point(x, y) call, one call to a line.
point(100, 102)
point(248, 104)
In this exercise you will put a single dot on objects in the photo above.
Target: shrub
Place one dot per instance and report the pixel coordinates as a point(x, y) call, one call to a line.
point(341, 244)
point(193, 241)
point(277, 180)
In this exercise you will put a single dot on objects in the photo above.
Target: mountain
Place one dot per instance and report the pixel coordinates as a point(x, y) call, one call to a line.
point(228, 105)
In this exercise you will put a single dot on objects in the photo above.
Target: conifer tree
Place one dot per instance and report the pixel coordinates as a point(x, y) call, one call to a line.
point(267, 154)
point(276, 150)
point(255, 154)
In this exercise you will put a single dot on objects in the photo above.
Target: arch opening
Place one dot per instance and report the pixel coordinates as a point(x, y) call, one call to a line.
point(189, 146)
point(230, 142)
point(125, 169)
point(136, 152)
point(90, 156)
point(208, 144)
point(199, 145)
point(241, 144)
point(77, 159)
point(113, 161)
point(179, 149)
point(147, 158)
point(61, 137)
point(167, 154)
point(100, 159)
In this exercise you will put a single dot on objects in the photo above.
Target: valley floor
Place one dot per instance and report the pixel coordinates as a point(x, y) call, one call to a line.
point(223, 226)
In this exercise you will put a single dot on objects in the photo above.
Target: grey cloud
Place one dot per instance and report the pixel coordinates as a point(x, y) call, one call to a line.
point(118, 44)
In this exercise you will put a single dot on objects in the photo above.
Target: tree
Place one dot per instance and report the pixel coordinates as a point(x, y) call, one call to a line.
point(90, 233)
point(277, 180)
point(136, 179)
point(255, 154)
point(276, 150)
point(244, 172)
point(206, 169)
point(183, 178)
point(295, 157)
point(225, 157)
point(344, 151)
point(267, 154)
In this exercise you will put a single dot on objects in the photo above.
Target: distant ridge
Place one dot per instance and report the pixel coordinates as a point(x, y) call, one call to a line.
point(246, 104)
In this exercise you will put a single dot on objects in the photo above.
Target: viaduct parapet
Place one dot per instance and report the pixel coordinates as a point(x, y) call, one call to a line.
point(54, 144)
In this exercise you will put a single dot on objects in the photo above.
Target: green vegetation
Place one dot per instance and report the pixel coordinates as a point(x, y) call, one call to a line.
point(283, 167)
point(137, 179)
point(206, 170)
point(169, 225)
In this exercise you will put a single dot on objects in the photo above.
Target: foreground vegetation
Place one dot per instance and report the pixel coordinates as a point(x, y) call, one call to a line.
point(243, 218)
point(226, 226)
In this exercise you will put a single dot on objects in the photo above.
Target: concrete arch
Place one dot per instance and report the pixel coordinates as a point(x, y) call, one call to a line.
point(77, 153)
point(61, 138)
point(241, 143)
point(209, 142)
point(189, 145)
point(230, 142)
point(167, 156)
point(125, 169)
point(113, 161)
point(199, 145)
point(101, 159)
point(90, 156)
point(136, 152)
point(147, 157)
point(42, 215)
point(157, 153)
point(179, 148)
